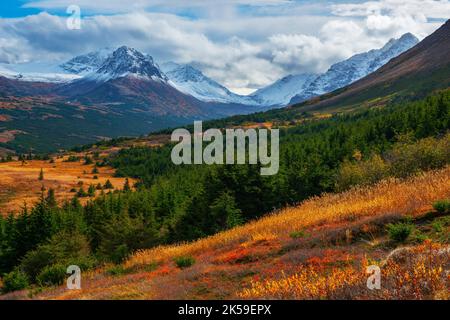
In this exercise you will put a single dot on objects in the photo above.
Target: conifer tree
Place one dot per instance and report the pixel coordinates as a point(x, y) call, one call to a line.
point(108, 185)
point(126, 186)
point(91, 191)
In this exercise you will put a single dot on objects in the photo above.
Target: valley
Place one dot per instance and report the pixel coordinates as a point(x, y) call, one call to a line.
point(123, 92)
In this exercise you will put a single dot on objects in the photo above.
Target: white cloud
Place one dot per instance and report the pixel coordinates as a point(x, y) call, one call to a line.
point(102, 6)
point(394, 17)
point(242, 50)
point(435, 9)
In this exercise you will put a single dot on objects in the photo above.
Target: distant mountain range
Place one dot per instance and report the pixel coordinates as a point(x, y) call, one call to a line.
point(124, 92)
point(297, 88)
point(414, 73)
point(191, 81)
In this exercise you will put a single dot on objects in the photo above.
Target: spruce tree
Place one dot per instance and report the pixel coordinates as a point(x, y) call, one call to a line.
point(126, 186)
point(108, 185)
point(91, 191)
point(51, 199)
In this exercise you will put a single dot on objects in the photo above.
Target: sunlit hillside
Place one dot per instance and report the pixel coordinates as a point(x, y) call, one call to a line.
point(318, 249)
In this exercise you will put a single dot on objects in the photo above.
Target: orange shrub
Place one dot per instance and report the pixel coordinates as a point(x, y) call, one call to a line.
point(421, 274)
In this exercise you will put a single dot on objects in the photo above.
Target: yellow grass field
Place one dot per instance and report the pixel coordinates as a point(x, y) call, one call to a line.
point(316, 250)
point(19, 183)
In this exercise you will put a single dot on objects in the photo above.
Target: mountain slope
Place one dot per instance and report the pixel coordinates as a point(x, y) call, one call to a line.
point(86, 63)
point(56, 72)
point(281, 92)
point(191, 81)
point(132, 79)
point(128, 95)
point(346, 72)
point(37, 72)
point(292, 253)
point(416, 72)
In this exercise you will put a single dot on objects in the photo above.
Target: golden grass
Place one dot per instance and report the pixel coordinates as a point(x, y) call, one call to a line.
point(19, 183)
point(409, 197)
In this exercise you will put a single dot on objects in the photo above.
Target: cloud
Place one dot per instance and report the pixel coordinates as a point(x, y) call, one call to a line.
point(243, 49)
point(435, 9)
point(394, 17)
point(120, 6)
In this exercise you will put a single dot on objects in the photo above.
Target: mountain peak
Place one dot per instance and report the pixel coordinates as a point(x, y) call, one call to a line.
point(408, 40)
point(131, 53)
point(357, 67)
point(126, 61)
point(408, 37)
point(192, 81)
point(86, 63)
point(184, 72)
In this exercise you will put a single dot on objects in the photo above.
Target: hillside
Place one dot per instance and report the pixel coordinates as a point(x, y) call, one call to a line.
point(414, 73)
point(316, 250)
point(357, 67)
point(405, 145)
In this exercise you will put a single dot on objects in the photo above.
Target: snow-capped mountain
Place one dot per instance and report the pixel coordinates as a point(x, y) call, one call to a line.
point(107, 64)
point(282, 91)
point(126, 62)
point(191, 81)
point(86, 63)
point(56, 72)
point(357, 67)
point(37, 72)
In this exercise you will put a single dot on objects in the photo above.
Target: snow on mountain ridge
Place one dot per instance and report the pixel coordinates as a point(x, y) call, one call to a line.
point(37, 72)
point(283, 90)
point(87, 63)
point(125, 62)
point(355, 68)
point(189, 80)
point(106, 64)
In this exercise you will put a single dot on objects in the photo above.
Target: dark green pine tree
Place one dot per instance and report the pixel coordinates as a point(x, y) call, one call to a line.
point(41, 175)
point(126, 186)
point(224, 213)
point(50, 199)
point(91, 191)
point(108, 185)
point(41, 226)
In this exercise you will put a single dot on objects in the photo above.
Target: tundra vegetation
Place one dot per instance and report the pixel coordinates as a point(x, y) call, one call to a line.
point(172, 204)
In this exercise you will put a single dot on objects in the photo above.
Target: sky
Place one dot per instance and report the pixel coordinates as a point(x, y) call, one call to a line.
point(243, 44)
